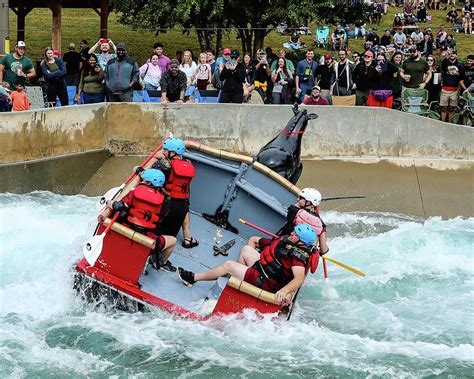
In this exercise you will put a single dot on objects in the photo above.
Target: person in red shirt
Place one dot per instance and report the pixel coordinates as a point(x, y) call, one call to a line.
point(20, 99)
point(280, 267)
point(315, 98)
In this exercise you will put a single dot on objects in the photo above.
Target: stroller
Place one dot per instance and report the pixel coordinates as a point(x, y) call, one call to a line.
point(322, 35)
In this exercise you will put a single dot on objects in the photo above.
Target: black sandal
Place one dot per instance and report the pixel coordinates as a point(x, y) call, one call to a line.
point(189, 243)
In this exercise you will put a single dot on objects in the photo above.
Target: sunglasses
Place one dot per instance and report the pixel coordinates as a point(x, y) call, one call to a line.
point(226, 54)
point(430, 60)
point(367, 56)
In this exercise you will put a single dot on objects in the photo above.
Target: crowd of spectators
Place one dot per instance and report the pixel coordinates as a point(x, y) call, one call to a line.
point(405, 56)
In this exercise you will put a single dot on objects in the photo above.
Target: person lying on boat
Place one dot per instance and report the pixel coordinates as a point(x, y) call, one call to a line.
point(142, 209)
point(179, 172)
point(304, 211)
point(279, 268)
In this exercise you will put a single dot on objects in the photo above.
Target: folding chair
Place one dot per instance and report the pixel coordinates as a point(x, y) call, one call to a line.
point(415, 100)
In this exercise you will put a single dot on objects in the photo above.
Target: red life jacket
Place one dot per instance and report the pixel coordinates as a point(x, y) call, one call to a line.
point(270, 265)
point(145, 206)
point(179, 181)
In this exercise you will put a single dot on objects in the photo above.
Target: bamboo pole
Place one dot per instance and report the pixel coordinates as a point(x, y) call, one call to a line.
point(131, 234)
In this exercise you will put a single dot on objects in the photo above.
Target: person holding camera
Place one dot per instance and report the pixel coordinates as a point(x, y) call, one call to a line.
point(382, 93)
point(282, 79)
point(90, 83)
point(262, 73)
point(233, 73)
point(104, 56)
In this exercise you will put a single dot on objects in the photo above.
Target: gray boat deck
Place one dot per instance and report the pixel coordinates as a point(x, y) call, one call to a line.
point(168, 286)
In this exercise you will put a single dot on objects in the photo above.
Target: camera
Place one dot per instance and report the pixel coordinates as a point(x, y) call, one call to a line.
point(263, 57)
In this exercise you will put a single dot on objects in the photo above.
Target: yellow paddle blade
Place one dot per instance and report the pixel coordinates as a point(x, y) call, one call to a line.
point(355, 271)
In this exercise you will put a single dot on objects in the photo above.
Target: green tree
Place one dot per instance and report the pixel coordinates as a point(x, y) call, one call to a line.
point(253, 19)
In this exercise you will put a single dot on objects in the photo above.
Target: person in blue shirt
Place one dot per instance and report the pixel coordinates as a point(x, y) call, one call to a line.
point(304, 78)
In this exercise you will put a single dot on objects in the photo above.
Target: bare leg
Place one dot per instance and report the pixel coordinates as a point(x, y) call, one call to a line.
point(248, 256)
point(186, 228)
point(253, 241)
point(444, 113)
point(170, 243)
point(450, 114)
point(227, 268)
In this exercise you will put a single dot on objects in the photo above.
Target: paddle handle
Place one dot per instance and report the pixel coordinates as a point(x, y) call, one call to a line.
point(258, 228)
point(325, 267)
point(111, 223)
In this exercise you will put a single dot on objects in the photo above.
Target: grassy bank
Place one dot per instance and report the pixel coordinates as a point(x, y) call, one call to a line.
point(80, 24)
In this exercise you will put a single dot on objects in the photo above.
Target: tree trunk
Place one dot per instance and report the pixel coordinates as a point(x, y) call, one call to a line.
point(218, 42)
point(202, 39)
point(208, 36)
point(259, 38)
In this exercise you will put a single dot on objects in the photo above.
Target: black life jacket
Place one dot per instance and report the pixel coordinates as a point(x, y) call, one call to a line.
point(145, 207)
point(270, 265)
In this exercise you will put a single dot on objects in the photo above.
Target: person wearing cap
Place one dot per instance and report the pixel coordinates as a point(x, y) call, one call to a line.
point(217, 83)
point(121, 74)
point(452, 78)
point(233, 75)
point(381, 94)
point(415, 72)
point(173, 84)
point(323, 75)
point(16, 67)
point(54, 72)
point(73, 61)
point(104, 55)
point(315, 98)
point(262, 73)
point(364, 76)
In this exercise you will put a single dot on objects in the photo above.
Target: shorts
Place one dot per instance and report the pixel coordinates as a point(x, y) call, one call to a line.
point(448, 98)
point(252, 275)
point(173, 221)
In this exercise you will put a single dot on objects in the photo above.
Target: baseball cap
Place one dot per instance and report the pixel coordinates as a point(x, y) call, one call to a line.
point(470, 56)
point(121, 46)
point(226, 51)
point(72, 45)
point(328, 56)
point(316, 87)
point(368, 53)
point(174, 63)
point(235, 54)
point(104, 40)
point(20, 44)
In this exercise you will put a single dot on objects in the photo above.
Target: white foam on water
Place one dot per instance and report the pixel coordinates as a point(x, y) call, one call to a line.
point(411, 316)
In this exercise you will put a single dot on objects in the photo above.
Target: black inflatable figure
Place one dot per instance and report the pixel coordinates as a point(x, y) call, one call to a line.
point(282, 153)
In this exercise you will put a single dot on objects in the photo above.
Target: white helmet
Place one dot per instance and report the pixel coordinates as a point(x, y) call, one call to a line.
point(20, 44)
point(312, 195)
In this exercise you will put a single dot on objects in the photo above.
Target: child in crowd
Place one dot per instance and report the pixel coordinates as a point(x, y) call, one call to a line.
point(203, 73)
point(20, 99)
point(5, 99)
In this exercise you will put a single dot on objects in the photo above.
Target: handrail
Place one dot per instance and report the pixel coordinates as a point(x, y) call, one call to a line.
point(251, 290)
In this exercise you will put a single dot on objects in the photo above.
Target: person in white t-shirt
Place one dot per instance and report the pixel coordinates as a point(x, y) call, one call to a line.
point(203, 73)
point(188, 66)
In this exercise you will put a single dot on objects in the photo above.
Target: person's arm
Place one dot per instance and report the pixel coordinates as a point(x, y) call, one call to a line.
point(113, 46)
point(80, 86)
point(27, 103)
point(135, 74)
point(426, 78)
point(164, 88)
point(93, 48)
point(209, 74)
point(284, 294)
point(275, 76)
point(323, 243)
point(2, 68)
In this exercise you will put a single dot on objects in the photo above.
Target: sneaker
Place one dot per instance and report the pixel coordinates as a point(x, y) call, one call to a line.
point(168, 267)
point(187, 277)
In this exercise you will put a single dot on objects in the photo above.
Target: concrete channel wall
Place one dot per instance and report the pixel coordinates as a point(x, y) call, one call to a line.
point(136, 128)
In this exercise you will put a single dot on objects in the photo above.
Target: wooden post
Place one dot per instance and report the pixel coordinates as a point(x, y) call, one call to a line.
point(104, 17)
point(56, 8)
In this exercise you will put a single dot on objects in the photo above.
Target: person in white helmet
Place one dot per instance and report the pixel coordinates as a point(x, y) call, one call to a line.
point(304, 211)
point(17, 68)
